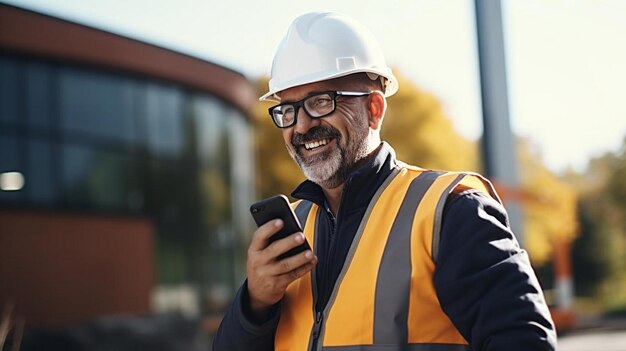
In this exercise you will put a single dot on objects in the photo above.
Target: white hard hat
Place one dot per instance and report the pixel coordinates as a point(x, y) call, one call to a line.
point(321, 46)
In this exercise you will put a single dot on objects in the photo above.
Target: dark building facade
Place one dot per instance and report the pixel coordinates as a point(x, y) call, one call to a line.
point(125, 172)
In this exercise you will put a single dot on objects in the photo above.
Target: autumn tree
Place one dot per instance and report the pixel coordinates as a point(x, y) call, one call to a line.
point(549, 205)
point(276, 172)
point(422, 134)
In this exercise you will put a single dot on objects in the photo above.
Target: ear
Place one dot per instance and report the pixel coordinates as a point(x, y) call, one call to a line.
point(376, 106)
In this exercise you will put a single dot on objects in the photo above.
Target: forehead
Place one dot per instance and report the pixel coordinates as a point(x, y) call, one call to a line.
point(301, 91)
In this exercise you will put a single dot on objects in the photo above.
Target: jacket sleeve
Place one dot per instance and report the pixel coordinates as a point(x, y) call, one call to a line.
point(484, 280)
point(238, 331)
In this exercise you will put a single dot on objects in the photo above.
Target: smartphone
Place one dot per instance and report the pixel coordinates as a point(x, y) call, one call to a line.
point(277, 207)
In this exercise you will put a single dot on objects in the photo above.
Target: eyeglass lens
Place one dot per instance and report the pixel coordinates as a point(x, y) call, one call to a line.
point(315, 106)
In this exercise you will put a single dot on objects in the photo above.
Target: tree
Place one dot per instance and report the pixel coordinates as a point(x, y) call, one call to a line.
point(276, 172)
point(599, 254)
point(617, 180)
point(596, 253)
point(550, 206)
point(422, 135)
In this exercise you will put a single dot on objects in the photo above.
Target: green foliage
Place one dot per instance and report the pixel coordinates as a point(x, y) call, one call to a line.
point(599, 254)
point(595, 253)
point(617, 308)
point(617, 180)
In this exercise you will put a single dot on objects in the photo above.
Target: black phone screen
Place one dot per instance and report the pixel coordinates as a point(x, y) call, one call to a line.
point(277, 207)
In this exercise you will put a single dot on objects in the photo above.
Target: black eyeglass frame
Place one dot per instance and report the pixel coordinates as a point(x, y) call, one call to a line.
point(300, 103)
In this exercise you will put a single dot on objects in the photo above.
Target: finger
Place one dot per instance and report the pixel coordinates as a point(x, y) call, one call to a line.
point(293, 262)
point(289, 277)
point(260, 236)
point(281, 246)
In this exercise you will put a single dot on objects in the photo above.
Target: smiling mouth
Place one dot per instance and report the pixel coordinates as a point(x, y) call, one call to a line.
point(312, 145)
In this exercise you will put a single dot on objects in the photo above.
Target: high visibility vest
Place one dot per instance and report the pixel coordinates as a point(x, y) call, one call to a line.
point(384, 297)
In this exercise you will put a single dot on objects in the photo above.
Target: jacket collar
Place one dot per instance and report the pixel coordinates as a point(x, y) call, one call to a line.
point(361, 184)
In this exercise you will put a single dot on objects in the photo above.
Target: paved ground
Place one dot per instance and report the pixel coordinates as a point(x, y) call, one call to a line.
point(595, 333)
point(592, 340)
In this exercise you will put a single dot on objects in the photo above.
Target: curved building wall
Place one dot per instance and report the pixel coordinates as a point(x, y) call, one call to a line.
point(135, 175)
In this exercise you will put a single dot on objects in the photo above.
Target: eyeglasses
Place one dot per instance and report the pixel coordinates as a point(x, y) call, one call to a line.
point(316, 106)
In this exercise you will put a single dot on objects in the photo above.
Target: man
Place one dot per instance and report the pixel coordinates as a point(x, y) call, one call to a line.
point(404, 258)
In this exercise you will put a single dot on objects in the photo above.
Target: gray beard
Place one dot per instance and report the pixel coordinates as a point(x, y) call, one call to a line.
point(328, 169)
point(332, 168)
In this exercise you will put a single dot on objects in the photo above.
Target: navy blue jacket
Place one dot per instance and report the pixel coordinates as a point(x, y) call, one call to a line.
point(483, 279)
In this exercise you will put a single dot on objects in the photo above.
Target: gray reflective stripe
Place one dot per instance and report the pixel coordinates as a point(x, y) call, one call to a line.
point(487, 182)
point(318, 218)
point(439, 214)
point(409, 347)
point(302, 212)
point(492, 190)
point(393, 285)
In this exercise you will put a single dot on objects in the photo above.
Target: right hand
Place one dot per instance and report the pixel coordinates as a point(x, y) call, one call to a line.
point(269, 277)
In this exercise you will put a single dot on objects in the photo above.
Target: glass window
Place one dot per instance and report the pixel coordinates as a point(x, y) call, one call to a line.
point(166, 189)
point(97, 104)
point(210, 127)
point(214, 159)
point(242, 169)
point(38, 105)
point(211, 130)
point(191, 172)
point(95, 178)
point(164, 120)
point(40, 173)
point(9, 88)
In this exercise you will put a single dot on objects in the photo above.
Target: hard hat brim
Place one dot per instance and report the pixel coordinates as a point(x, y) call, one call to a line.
point(390, 89)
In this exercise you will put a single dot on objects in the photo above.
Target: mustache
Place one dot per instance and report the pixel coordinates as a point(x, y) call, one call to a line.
point(315, 133)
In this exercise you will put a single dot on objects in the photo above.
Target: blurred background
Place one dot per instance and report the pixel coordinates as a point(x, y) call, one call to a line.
point(132, 144)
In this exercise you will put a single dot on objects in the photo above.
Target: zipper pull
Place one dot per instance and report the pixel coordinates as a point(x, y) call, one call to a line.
point(319, 316)
point(331, 214)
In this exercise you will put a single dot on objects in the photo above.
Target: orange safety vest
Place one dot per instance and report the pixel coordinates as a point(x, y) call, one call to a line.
point(384, 297)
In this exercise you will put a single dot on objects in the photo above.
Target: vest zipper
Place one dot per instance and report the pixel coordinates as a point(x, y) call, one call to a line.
point(317, 327)
point(319, 316)
point(332, 238)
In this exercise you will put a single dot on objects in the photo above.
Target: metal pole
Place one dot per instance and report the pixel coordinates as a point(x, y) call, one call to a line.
point(498, 144)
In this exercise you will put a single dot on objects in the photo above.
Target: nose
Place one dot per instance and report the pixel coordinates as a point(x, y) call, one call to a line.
point(304, 122)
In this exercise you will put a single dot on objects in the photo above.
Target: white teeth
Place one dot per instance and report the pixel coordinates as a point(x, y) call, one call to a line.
point(315, 144)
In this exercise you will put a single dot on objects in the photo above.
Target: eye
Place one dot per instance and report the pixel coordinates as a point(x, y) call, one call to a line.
point(319, 102)
point(322, 101)
point(287, 109)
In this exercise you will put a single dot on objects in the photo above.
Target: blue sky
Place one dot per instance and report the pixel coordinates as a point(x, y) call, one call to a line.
point(566, 58)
